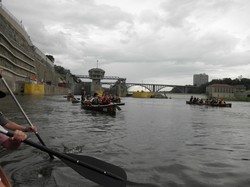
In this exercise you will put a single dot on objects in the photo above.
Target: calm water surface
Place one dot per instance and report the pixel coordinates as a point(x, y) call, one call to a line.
point(158, 142)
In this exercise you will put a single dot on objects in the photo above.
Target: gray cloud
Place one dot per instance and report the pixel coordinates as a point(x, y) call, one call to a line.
point(166, 42)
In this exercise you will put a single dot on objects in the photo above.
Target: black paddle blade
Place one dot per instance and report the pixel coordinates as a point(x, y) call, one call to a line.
point(105, 174)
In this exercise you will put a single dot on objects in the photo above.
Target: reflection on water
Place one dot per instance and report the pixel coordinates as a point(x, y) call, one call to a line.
point(158, 142)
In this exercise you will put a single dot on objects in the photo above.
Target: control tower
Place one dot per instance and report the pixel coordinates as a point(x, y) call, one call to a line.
point(96, 74)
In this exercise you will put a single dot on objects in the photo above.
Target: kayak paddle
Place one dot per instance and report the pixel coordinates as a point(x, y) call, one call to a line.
point(98, 171)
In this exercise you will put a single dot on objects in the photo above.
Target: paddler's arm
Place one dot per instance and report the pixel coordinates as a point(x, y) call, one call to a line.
point(13, 142)
point(14, 126)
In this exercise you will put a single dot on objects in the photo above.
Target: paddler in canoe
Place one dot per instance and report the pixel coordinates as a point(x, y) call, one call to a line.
point(13, 142)
point(9, 143)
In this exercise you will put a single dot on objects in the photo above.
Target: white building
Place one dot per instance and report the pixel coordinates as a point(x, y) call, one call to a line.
point(220, 91)
point(200, 79)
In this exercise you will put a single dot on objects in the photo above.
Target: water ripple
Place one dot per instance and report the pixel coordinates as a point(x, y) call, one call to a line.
point(159, 143)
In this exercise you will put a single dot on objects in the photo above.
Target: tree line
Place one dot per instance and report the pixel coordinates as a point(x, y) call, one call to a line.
point(63, 72)
point(233, 82)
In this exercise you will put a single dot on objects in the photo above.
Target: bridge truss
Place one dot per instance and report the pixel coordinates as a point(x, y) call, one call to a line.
point(150, 87)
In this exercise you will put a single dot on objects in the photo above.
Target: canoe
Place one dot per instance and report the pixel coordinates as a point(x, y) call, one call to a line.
point(4, 178)
point(109, 109)
point(210, 104)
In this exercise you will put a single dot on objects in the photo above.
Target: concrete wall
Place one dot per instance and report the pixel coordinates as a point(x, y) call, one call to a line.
point(21, 60)
point(55, 90)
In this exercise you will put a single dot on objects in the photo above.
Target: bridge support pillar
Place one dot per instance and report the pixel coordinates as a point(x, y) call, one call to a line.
point(154, 88)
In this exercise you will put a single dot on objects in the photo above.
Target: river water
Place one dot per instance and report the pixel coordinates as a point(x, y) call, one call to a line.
point(158, 142)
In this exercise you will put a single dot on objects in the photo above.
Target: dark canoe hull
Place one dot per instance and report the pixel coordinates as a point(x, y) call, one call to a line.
point(109, 109)
point(213, 105)
point(5, 180)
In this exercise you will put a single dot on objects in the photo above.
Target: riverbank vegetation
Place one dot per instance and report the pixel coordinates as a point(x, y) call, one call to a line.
point(233, 82)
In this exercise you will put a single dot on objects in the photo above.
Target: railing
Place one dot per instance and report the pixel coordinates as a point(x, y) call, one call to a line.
point(105, 77)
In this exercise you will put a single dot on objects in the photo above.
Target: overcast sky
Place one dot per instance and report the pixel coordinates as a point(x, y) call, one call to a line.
point(149, 41)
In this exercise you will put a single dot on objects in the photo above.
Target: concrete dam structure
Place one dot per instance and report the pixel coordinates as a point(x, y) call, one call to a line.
point(22, 62)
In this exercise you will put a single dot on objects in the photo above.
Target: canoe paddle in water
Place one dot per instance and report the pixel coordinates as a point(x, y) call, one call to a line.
point(119, 108)
point(20, 107)
point(98, 171)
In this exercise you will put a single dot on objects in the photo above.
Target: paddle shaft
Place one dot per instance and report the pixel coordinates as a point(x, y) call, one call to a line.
point(66, 157)
point(20, 107)
point(119, 108)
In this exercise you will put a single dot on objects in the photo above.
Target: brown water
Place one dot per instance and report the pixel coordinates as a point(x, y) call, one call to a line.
point(158, 142)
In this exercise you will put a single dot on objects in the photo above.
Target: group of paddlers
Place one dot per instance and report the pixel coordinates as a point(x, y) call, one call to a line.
point(97, 99)
point(211, 100)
